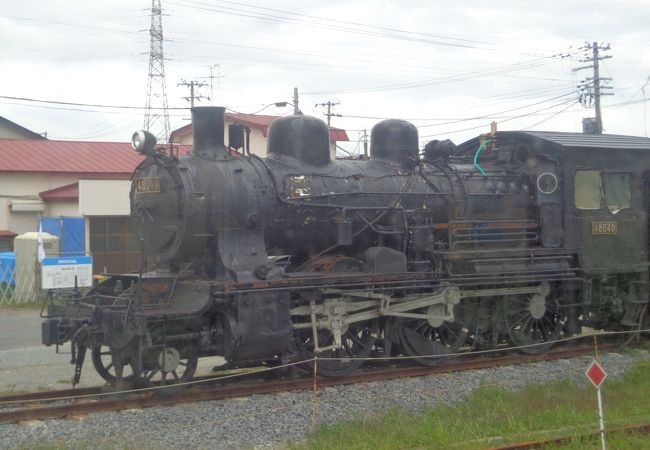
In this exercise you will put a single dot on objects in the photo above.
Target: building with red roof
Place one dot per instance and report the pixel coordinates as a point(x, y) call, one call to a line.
point(46, 178)
point(40, 177)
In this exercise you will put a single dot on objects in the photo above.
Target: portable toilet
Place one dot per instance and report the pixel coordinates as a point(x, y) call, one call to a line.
point(28, 267)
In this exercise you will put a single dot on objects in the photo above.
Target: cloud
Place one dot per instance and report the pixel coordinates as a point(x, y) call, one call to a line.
point(453, 60)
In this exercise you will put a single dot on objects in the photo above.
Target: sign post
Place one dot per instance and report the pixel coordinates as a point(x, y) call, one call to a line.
point(597, 375)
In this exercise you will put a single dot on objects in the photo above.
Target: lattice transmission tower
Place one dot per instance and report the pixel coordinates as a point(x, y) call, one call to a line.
point(156, 117)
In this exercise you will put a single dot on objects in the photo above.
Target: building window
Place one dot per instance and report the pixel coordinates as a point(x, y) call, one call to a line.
point(113, 244)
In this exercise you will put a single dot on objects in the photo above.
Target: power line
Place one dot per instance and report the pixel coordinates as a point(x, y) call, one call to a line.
point(92, 105)
point(450, 121)
point(396, 70)
point(335, 24)
point(53, 22)
point(63, 108)
point(321, 23)
point(550, 117)
point(125, 125)
point(572, 102)
point(395, 67)
point(461, 77)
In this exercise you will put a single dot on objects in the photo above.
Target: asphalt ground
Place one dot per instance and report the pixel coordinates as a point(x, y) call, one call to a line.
point(27, 365)
point(19, 328)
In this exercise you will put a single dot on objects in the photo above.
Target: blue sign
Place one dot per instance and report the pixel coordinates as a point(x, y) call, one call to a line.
point(66, 261)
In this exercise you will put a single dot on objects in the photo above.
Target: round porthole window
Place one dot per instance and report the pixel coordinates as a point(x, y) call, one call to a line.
point(547, 183)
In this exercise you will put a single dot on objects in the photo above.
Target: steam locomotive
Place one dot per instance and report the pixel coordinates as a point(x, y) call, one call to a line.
point(512, 238)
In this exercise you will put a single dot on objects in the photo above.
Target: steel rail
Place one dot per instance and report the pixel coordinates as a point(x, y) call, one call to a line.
point(47, 395)
point(139, 400)
point(542, 443)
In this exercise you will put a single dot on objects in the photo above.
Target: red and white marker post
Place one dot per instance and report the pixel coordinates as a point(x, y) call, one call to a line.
point(597, 375)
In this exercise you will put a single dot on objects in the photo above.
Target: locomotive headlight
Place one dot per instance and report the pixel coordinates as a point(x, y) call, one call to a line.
point(143, 142)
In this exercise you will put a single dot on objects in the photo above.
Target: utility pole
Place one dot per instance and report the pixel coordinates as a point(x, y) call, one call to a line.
point(218, 76)
point(591, 87)
point(645, 121)
point(156, 116)
point(365, 144)
point(329, 112)
point(296, 109)
point(212, 77)
point(193, 84)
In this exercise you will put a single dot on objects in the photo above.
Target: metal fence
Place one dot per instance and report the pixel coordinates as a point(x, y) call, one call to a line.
point(17, 286)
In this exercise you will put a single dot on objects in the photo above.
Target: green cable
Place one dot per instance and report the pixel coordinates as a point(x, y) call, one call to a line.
point(478, 152)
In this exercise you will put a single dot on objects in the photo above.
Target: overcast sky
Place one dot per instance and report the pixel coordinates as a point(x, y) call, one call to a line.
point(449, 67)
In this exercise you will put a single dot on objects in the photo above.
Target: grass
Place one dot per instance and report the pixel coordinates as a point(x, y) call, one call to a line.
point(493, 416)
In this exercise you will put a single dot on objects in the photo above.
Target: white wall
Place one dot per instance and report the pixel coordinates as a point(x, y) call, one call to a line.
point(68, 209)
point(30, 184)
point(258, 142)
point(183, 139)
point(4, 213)
point(104, 197)
point(25, 186)
point(22, 222)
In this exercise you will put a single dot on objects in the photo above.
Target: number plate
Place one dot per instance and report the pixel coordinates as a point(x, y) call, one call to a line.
point(604, 228)
point(147, 185)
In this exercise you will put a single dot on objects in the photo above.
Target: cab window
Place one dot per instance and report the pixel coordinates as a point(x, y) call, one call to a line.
point(587, 189)
point(617, 191)
point(594, 190)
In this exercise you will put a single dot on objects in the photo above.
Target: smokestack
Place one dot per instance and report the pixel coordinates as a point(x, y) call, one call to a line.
point(208, 130)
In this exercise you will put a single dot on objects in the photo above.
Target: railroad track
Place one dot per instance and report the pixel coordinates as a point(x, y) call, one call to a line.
point(76, 402)
point(543, 443)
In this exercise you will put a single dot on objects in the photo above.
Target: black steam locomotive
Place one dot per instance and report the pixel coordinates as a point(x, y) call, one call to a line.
point(512, 238)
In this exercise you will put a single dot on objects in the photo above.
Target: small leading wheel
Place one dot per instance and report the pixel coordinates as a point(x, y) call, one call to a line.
point(431, 337)
point(357, 339)
point(162, 366)
point(535, 321)
point(166, 361)
point(105, 365)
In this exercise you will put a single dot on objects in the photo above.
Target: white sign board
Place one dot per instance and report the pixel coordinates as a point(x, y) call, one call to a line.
point(60, 272)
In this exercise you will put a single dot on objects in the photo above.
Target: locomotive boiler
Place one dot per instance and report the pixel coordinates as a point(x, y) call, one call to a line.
point(512, 238)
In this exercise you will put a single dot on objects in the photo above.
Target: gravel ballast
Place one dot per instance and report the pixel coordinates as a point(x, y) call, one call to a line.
point(266, 421)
